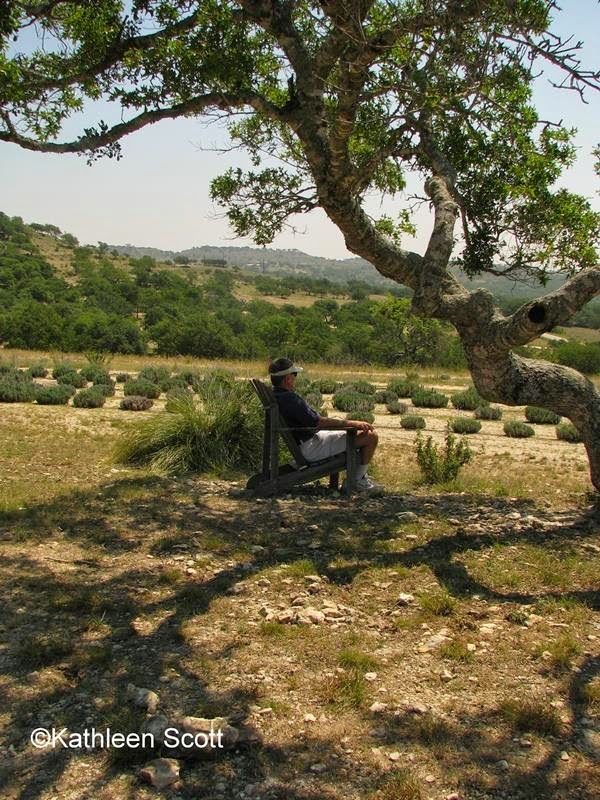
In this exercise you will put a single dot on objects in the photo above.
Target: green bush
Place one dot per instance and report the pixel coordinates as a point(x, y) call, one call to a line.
point(223, 432)
point(326, 385)
point(465, 425)
point(385, 396)
point(488, 412)
point(365, 416)
point(344, 400)
point(89, 398)
point(315, 400)
point(95, 373)
point(218, 383)
point(518, 430)
point(37, 371)
point(428, 398)
point(107, 389)
point(72, 378)
point(135, 402)
point(189, 376)
point(174, 382)
point(468, 400)
point(54, 395)
point(360, 386)
point(122, 377)
point(396, 407)
point(413, 422)
point(541, 416)
point(402, 387)
point(142, 388)
point(14, 389)
point(567, 432)
point(60, 369)
point(584, 356)
point(440, 465)
point(154, 374)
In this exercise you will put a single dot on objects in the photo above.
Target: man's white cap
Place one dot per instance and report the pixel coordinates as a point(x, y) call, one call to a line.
point(287, 367)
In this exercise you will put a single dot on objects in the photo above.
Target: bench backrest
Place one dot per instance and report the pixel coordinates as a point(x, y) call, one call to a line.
point(267, 398)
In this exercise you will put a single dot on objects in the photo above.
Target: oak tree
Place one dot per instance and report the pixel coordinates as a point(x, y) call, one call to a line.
point(338, 99)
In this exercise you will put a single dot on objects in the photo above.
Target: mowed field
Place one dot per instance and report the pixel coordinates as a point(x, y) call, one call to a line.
point(429, 643)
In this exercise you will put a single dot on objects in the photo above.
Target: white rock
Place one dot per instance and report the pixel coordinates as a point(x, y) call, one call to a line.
point(161, 773)
point(310, 718)
point(405, 599)
point(370, 676)
point(378, 707)
point(395, 756)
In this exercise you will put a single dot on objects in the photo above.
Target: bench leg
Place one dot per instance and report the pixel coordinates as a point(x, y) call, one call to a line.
point(334, 481)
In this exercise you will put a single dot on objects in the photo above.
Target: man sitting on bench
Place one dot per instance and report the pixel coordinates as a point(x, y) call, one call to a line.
point(320, 437)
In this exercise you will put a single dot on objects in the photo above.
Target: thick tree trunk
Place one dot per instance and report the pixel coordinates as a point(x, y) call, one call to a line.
point(504, 377)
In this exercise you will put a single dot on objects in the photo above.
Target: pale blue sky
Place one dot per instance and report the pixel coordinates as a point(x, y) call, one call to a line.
point(157, 195)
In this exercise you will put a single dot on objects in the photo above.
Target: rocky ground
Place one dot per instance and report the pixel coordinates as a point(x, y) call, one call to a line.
point(404, 646)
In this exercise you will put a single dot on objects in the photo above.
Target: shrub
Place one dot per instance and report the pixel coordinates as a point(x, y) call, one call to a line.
point(412, 422)
point(441, 465)
point(567, 432)
point(396, 407)
point(72, 378)
point(584, 356)
point(95, 373)
point(154, 374)
point(518, 430)
point(135, 402)
point(223, 432)
point(541, 416)
point(218, 383)
point(402, 387)
point(385, 396)
point(365, 416)
point(54, 395)
point(189, 376)
point(37, 371)
point(344, 400)
point(488, 412)
point(122, 377)
point(465, 425)
point(468, 400)
point(107, 389)
point(428, 398)
point(174, 382)
point(326, 385)
point(142, 388)
point(362, 387)
point(60, 369)
point(89, 398)
point(314, 399)
point(16, 390)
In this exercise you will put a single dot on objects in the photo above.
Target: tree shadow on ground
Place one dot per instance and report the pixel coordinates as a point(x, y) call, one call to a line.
point(85, 615)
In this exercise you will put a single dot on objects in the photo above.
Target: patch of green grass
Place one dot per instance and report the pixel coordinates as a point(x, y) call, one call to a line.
point(355, 659)
point(170, 576)
point(403, 785)
point(95, 654)
point(276, 630)
point(531, 715)
point(591, 695)
point(440, 603)
point(345, 690)
point(43, 649)
point(298, 569)
point(432, 731)
point(562, 651)
point(456, 650)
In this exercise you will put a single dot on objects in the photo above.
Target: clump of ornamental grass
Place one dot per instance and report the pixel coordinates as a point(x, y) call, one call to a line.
point(154, 374)
point(412, 422)
point(221, 432)
point(107, 388)
point(567, 432)
point(360, 386)
point(465, 425)
point(518, 430)
point(142, 388)
point(363, 416)
point(468, 400)
point(37, 371)
point(488, 412)
point(62, 367)
point(134, 402)
point(54, 395)
point(428, 398)
point(396, 407)
point(352, 402)
point(95, 373)
point(541, 416)
point(385, 396)
point(403, 387)
point(326, 385)
point(72, 378)
point(16, 389)
point(122, 377)
point(89, 398)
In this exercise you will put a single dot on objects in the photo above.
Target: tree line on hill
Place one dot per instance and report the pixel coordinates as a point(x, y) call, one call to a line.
point(148, 309)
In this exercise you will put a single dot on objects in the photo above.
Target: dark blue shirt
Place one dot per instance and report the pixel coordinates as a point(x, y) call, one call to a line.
point(298, 415)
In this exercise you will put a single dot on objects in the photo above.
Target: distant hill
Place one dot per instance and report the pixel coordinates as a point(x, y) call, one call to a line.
point(271, 261)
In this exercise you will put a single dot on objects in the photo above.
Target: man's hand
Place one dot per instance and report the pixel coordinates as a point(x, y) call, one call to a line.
point(360, 425)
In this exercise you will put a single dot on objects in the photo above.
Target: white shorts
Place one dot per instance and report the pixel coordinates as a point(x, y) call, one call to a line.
point(324, 444)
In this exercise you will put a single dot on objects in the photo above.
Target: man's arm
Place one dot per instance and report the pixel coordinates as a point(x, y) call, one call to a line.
point(335, 424)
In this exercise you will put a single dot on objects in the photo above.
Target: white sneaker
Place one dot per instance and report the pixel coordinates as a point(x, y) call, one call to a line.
point(365, 484)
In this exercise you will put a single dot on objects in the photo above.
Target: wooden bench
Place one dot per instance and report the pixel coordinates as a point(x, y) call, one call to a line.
point(276, 478)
